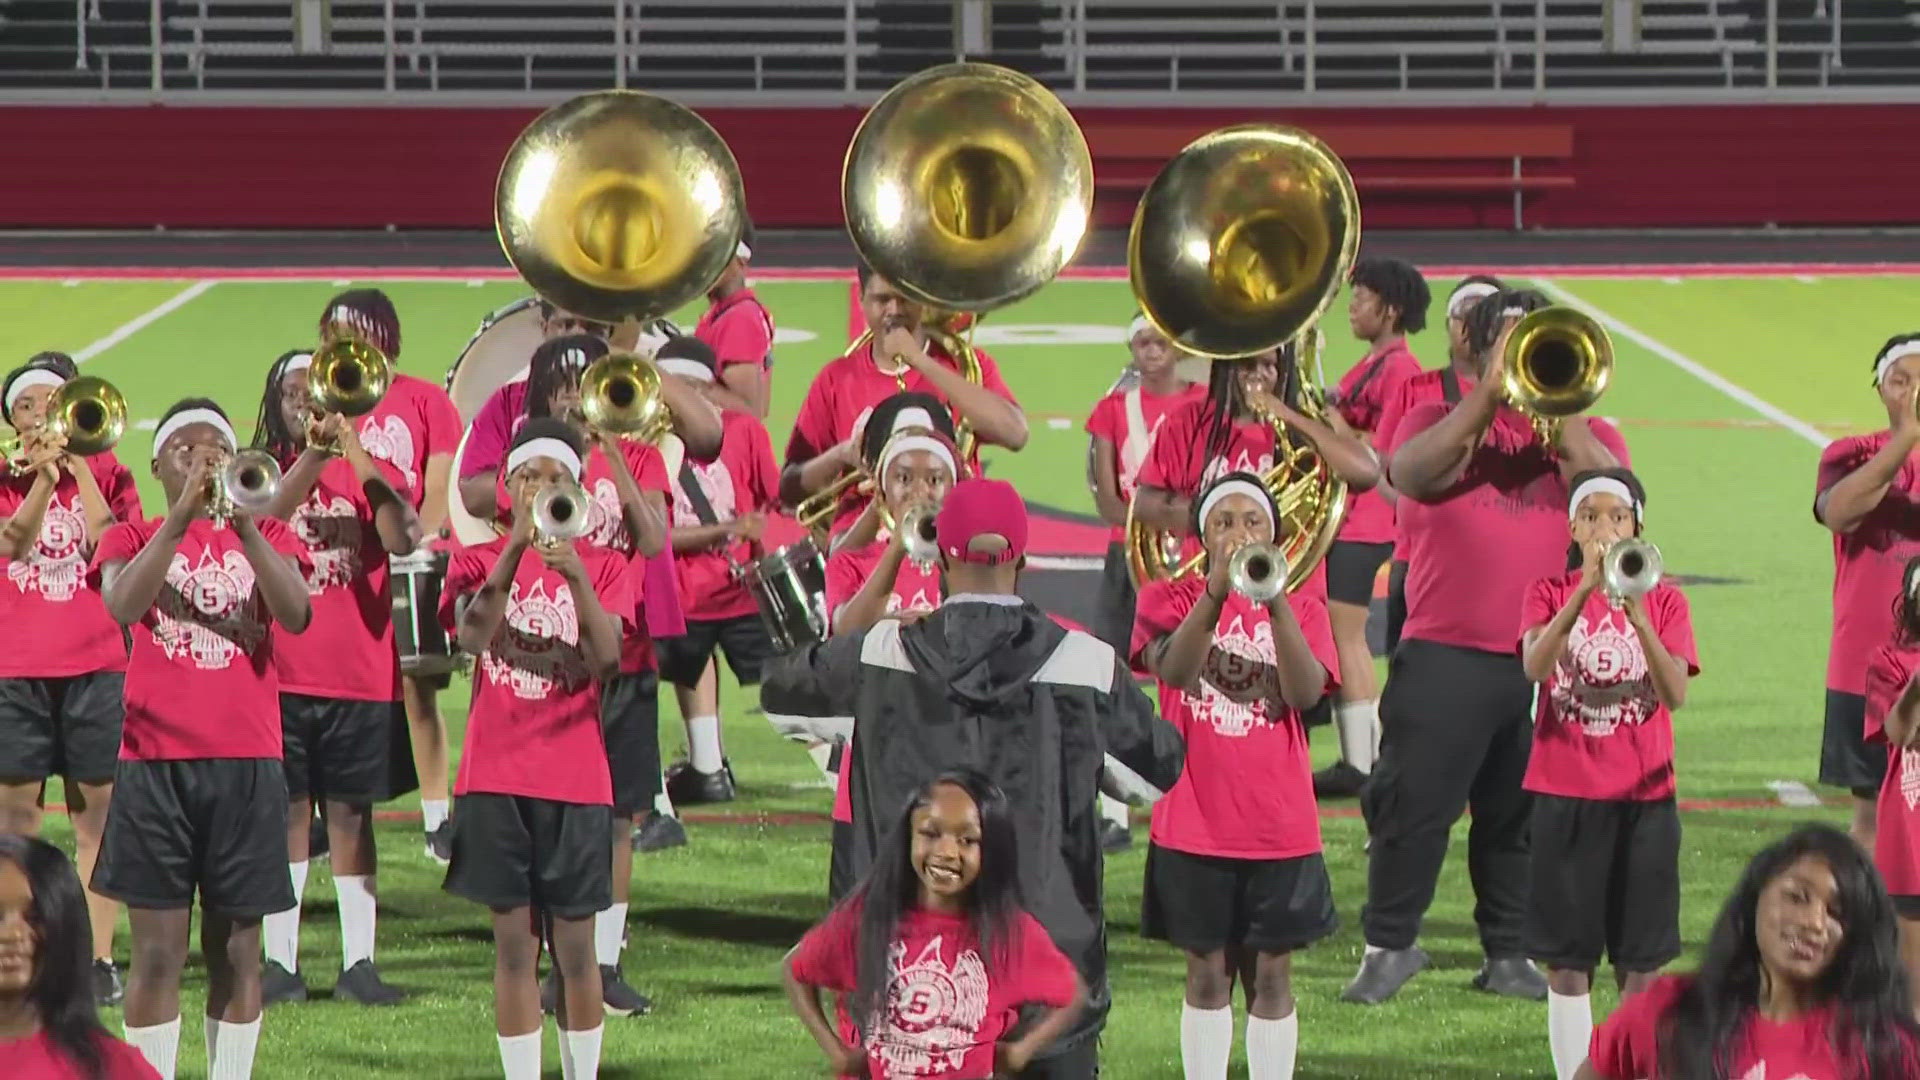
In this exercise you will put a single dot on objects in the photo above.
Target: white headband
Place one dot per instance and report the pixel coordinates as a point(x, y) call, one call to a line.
point(30, 378)
point(741, 250)
point(1236, 487)
point(1880, 367)
point(1139, 323)
point(1514, 311)
point(547, 448)
point(910, 418)
point(299, 362)
point(1602, 485)
point(1467, 295)
point(686, 369)
point(186, 417)
point(904, 443)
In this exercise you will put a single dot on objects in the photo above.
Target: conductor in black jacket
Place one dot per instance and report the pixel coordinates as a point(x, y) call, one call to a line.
point(990, 681)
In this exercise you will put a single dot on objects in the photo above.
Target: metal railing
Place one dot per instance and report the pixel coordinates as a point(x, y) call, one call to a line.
point(818, 51)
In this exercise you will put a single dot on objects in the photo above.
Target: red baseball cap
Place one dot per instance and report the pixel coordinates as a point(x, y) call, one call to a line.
point(977, 509)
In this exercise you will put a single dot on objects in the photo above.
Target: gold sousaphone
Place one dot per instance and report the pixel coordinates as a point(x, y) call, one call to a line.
point(1239, 246)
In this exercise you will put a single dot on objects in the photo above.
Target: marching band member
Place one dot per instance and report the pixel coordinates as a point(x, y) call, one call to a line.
point(1606, 834)
point(534, 796)
point(1458, 709)
point(1868, 496)
point(1235, 878)
point(1893, 720)
point(901, 357)
point(60, 686)
point(739, 329)
point(719, 509)
point(340, 683)
point(200, 802)
point(1389, 302)
point(416, 429)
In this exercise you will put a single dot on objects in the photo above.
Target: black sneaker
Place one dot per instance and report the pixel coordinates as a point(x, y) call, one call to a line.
point(440, 843)
point(658, 833)
point(278, 985)
point(619, 998)
point(1114, 836)
point(549, 993)
point(688, 786)
point(362, 984)
point(1338, 781)
point(107, 987)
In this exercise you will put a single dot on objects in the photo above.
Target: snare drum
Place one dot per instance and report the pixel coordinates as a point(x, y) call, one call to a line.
point(790, 587)
point(423, 645)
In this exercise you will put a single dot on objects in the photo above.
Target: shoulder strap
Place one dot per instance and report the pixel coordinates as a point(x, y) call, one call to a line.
point(1359, 384)
point(1450, 385)
point(1133, 452)
point(696, 495)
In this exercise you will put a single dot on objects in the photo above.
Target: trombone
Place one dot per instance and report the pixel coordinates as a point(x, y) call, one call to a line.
point(88, 412)
point(1556, 363)
point(348, 376)
point(816, 512)
point(620, 394)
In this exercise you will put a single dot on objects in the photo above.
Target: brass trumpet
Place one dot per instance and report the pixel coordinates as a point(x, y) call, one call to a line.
point(1556, 363)
point(559, 513)
point(620, 394)
point(1258, 572)
point(348, 376)
point(247, 483)
point(89, 413)
point(1631, 567)
point(916, 532)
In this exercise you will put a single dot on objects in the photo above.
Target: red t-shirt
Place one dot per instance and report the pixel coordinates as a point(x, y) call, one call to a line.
point(741, 480)
point(494, 426)
point(534, 726)
point(414, 421)
point(739, 330)
point(1625, 1046)
point(1867, 561)
point(1472, 553)
point(947, 1004)
point(348, 650)
point(201, 680)
point(72, 634)
point(1896, 845)
point(1369, 517)
point(1178, 462)
point(1601, 731)
point(915, 588)
point(36, 1057)
point(1247, 789)
point(1417, 389)
point(1111, 420)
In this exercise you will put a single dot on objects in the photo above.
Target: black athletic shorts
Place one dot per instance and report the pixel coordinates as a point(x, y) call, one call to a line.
point(1847, 759)
point(1396, 604)
point(61, 727)
point(354, 751)
point(1907, 907)
point(630, 724)
point(216, 825)
point(1113, 612)
point(1604, 880)
point(840, 877)
point(743, 639)
point(514, 851)
point(1352, 568)
point(1201, 903)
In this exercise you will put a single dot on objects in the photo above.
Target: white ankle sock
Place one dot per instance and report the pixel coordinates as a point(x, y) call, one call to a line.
point(663, 805)
point(433, 812)
point(1569, 1031)
point(237, 1043)
point(359, 913)
point(520, 1056)
point(1206, 1042)
point(159, 1044)
point(609, 934)
point(1115, 810)
point(703, 743)
point(280, 931)
point(1356, 721)
point(1272, 1046)
point(580, 1053)
point(212, 1025)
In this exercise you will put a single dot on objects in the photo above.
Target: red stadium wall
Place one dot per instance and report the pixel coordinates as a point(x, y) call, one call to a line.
point(213, 167)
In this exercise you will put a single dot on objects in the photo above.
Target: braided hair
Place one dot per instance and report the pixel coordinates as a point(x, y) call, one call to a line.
point(270, 430)
point(1906, 606)
point(1488, 319)
point(1225, 400)
point(558, 363)
point(369, 314)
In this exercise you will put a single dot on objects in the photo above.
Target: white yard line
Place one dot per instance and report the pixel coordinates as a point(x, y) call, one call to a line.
point(1692, 367)
point(142, 321)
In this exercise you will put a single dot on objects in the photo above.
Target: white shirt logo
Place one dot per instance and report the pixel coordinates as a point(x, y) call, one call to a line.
point(538, 645)
point(1234, 678)
point(54, 566)
point(391, 441)
point(1239, 461)
point(1910, 777)
point(1602, 681)
point(331, 530)
point(204, 611)
point(933, 1012)
point(716, 482)
point(1759, 1072)
point(606, 523)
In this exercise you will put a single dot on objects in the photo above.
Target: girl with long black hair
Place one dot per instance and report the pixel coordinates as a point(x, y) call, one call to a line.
point(1801, 977)
point(1893, 718)
point(933, 953)
point(48, 1026)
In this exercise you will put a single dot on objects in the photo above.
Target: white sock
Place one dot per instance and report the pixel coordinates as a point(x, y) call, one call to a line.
point(580, 1053)
point(1272, 1046)
point(663, 805)
point(212, 1024)
point(159, 1044)
point(822, 755)
point(703, 743)
point(520, 1056)
point(1115, 810)
point(280, 931)
point(237, 1043)
point(1206, 1042)
point(609, 934)
point(433, 812)
point(358, 915)
point(1356, 721)
point(1569, 1031)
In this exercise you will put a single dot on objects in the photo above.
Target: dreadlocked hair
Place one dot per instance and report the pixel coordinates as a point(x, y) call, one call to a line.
point(1400, 287)
point(270, 430)
point(1224, 401)
point(369, 314)
point(1906, 606)
point(1488, 319)
point(558, 363)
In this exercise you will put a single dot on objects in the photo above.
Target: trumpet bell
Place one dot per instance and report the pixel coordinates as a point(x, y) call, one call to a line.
point(89, 413)
point(560, 513)
point(1557, 362)
point(348, 376)
point(1632, 567)
point(619, 204)
point(968, 186)
point(1258, 572)
point(1243, 240)
point(916, 529)
point(620, 393)
point(250, 481)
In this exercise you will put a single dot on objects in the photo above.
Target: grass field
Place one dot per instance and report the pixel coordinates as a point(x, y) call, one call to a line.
point(1730, 492)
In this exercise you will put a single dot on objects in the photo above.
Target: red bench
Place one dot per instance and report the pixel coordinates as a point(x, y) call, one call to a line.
point(1127, 156)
